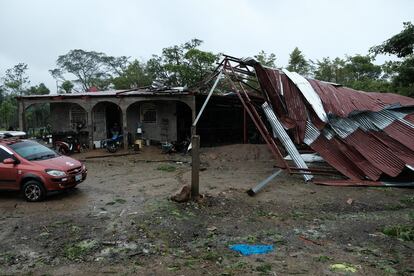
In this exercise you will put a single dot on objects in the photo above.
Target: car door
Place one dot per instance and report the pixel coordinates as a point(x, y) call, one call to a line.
point(8, 172)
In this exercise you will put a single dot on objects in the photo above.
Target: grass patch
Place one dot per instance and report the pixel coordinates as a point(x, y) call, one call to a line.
point(323, 259)
point(264, 268)
point(409, 200)
point(120, 200)
point(7, 258)
point(166, 168)
point(402, 232)
point(211, 256)
point(77, 251)
point(174, 267)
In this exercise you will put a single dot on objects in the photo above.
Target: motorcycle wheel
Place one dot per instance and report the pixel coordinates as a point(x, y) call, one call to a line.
point(62, 150)
point(112, 148)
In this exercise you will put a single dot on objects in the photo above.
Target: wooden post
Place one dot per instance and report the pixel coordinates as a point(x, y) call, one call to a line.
point(244, 126)
point(195, 169)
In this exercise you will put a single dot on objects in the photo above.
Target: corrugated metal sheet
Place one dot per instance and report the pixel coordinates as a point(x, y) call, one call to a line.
point(284, 138)
point(310, 95)
point(366, 136)
point(343, 101)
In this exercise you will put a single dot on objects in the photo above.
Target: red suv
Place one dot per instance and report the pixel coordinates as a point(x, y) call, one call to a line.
point(35, 169)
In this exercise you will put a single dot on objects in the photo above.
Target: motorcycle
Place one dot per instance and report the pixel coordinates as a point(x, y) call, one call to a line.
point(181, 147)
point(113, 143)
point(69, 146)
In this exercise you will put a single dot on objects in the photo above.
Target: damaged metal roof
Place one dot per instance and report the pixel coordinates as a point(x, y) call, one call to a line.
point(366, 136)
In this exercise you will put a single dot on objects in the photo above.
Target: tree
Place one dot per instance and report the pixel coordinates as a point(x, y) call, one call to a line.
point(134, 76)
point(400, 72)
point(358, 72)
point(360, 68)
point(15, 80)
point(8, 112)
point(67, 86)
point(40, 89)
point(182, 65)
point(298, 63)
point(401, 44)
point(324, 70)
point(115, 65)
point(91, 69)
point(265, 59)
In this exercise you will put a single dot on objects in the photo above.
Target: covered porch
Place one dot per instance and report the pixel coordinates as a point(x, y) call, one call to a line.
point(165, 116)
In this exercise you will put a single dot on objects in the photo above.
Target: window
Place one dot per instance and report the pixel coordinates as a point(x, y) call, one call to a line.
point(4, 154)
point(31, 150)
point(150, 116)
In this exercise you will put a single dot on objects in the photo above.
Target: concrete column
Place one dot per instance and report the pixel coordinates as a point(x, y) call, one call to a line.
point(21, 115)
point(90, 126)
point(124, 126)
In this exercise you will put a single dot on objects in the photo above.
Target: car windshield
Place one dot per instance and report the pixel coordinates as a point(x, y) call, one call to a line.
point(31, 150)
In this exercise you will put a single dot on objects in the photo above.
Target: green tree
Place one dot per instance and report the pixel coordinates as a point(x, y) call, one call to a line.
point(115, 65)
point(134, 76)
point(400, 72)
point(182, 65)
point(40, 89)
point(324, 70)
point(359, 68)
point(16, 80)
point(401, 44)
point(298, 63)
point(91, 69)
point(265, 59)
point(67, 86)
point(8, 111)
point(37, 116)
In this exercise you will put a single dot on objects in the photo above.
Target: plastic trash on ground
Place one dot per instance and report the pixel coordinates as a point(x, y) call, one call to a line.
point(250, 249)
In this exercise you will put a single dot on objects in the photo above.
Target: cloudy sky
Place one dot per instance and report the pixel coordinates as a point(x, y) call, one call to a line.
point(36, 32)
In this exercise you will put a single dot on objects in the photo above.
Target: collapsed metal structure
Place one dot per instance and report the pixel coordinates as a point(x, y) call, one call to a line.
point(365, 138)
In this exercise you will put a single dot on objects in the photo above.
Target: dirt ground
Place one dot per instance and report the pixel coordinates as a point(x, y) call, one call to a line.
point(121, 221)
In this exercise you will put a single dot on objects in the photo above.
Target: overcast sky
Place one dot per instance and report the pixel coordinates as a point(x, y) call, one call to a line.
point(37, 32)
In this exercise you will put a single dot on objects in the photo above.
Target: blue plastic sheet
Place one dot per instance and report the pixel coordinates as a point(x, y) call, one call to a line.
point(251, 249)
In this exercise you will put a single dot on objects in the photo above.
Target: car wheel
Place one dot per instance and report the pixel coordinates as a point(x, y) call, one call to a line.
point(34, 191)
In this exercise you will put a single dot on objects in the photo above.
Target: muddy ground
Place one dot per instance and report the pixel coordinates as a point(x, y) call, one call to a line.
point(120, 221)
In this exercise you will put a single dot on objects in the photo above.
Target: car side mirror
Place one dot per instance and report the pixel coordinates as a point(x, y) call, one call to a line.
point(9, 161)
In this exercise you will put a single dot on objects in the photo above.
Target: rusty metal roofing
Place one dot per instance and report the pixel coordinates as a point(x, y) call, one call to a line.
point(366, 136)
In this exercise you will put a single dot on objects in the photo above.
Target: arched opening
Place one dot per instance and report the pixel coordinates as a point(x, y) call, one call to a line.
point(69, 119)
point(37, 118)
point(107, 119)
point(159, 121)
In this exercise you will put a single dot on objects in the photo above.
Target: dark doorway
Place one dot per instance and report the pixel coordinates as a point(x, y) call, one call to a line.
point(113, 119)
point(184, 121)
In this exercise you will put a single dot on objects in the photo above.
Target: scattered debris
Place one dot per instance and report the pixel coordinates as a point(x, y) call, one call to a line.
point(253, 191)
point(211, 228)
point(249, 249)
point(183, 195)
point(307, 157)
point(350, 201)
